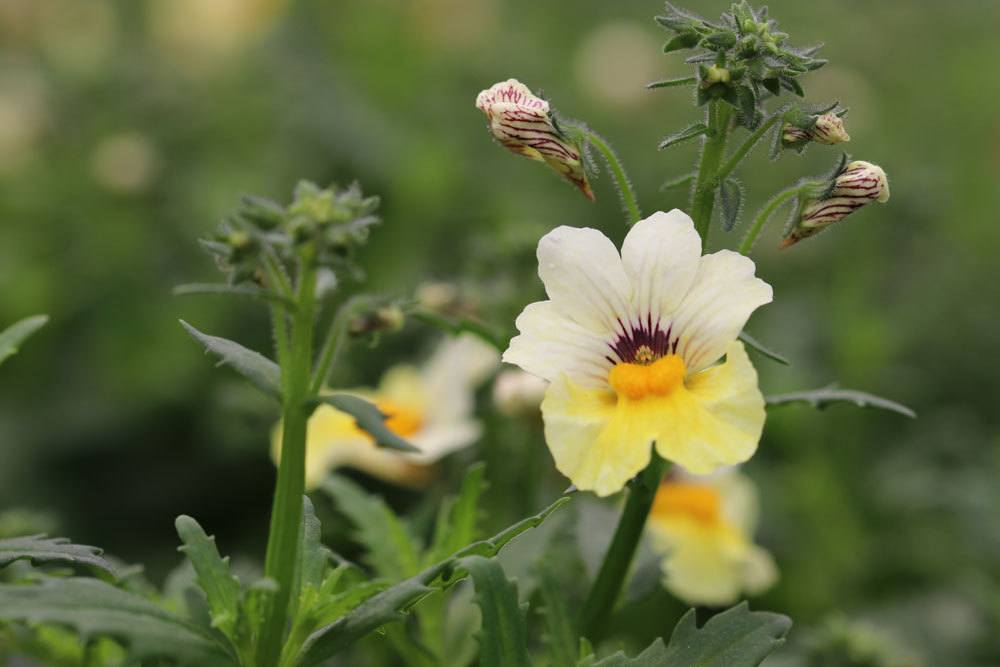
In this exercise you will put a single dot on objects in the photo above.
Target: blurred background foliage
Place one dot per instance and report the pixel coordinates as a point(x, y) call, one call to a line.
point(128, 128)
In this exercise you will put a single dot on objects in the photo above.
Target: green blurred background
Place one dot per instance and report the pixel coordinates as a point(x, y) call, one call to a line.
point(127, 129)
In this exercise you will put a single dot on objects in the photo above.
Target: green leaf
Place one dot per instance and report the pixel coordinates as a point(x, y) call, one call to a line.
point(40, 549)
point(671, 83)
point(821, 398)
point(314, 557)
point(737, 637)
point(457, 518)
point(12, 337)
point(97, 609)
point(369, 418)
point(221, 588)
point(655, 655)
point(457, 325)
point(254, 366)
point(731, 200)
point(678, 182)
point(244, 290)
point(684, 40)
point(391, 550)
point(390, 604)
point(560, 634)
point(689, 132)
point(760, 348)
point(504, 636)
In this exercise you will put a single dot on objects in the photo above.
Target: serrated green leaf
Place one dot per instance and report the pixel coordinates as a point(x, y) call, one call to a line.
point(736, 637)
point(689, 132)
point(655, 655)
point(257, 368)
point(821, 398)
point(369, 419)
point(12, 337)
point(243, 290)
point(672, 83)
point(40, 549)
point(97, 609)
point(760, 348)
point(314, 557)
point(503, 639)
point(731, 200)
point(390, 604)
point(391, 549)
point(221, 588)
point(561, 640)
point(457, 519)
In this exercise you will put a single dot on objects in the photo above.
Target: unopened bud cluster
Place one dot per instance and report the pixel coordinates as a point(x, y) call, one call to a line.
point(855, 185)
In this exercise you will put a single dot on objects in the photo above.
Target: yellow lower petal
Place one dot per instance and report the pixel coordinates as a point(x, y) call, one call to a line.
point(600, 440)
point(704, 564)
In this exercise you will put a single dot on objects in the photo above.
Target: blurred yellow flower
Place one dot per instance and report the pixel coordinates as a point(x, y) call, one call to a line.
point(630, 345)
point(522, 123)
point(704, 528)
point(431, 406)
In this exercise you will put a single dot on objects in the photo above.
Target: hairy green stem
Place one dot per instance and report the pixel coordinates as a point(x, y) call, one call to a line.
point(622, 183)
point(611, 577)
point(737, 155)
point(334, 340)
point(707, 182)
point(772, 205)
point(286, 513)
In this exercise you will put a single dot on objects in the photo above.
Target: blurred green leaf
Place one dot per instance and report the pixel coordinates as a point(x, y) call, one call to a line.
point(40, 549)
point(313, 556)
point(760, 348)
point(821, 398)
point(457, 325)
point(457, 518)
point(655, 655)
point(689, 132)
point(221, 588)
point(242, 289)
point(97, 609)
point(736, 637)
point(561, 641)
point(12, 337)
point(731, 200)
point(503, 638)
point(369, 418)
point(671, 83)
point(257, 368)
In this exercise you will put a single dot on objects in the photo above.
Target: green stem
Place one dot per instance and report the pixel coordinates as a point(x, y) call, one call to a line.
point(334, 340)
point(703, 195)
point(624, 187)
point(607, 587)
point(286, 513)
point(737, 155)
point(773, 204)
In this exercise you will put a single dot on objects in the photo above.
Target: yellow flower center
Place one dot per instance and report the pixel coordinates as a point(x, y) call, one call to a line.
point(637, 381)
point(696, 501)
point(401, 420)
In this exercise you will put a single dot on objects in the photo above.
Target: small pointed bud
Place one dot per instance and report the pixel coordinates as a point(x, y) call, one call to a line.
point(827, 129)
point(857, 184)
point(522, 123)
point(715, 74)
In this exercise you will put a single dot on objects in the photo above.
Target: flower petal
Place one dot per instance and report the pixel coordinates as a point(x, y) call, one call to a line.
point(551, 344)
point(584, 278)
point(724, 294)
point(661, 256)
point(704, 564)
point(716, 419)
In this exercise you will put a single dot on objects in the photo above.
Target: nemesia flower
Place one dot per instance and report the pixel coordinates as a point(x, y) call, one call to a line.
point(516, 392)
point(704, 528)
point(828, 129)
point(430, 406)
point(857, 184)
point(521, 122)
point(631, 344)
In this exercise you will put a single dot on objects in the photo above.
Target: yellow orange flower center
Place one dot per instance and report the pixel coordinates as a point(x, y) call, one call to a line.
point(684, 499)
point(401, 420)
point(637, 381)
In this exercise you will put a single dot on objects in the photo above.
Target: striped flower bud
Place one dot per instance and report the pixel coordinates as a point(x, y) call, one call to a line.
point(828, 129)
point(859, 183)
point(522, 123)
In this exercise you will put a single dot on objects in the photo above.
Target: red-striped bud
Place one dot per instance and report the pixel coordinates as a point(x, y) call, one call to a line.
point(828, 129)
point(522, 123)
point(856, 185)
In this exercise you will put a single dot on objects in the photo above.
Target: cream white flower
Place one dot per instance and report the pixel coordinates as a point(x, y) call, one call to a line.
point(704, 528)
point(432, 407)
point(631, 343)
point(516, 392)
point(522, 122)
point(856, 185)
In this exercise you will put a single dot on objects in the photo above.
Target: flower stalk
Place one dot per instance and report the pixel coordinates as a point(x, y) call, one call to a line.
point(611, 577)
point(706, 183)
point(772, 205)
point(623, 185)
point(286, 513)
